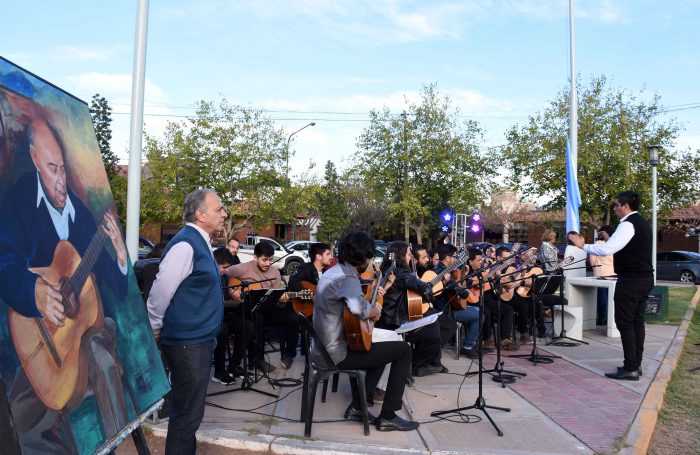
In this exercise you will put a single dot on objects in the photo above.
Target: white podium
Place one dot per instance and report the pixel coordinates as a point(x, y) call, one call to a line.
point(582, 292)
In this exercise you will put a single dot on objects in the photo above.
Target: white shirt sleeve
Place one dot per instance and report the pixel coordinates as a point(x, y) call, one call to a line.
point(621, 237)
point(174, 268)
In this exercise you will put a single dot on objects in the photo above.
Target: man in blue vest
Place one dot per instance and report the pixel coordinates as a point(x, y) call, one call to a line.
point(630, 246)
point(185, 309)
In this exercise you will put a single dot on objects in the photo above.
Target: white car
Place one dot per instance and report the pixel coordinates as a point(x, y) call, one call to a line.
point(286, 260)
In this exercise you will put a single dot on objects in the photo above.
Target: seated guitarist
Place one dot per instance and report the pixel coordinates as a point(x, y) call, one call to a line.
point(321, 257)
point(340, 288)
point(470, 315)
point(427, 346)
point(273, 313)
point(448, 326)
point(40, 210)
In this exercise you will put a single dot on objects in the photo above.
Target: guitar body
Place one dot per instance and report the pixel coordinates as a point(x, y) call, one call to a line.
point(429, 276)
point(358, 332)
point(57, 384)
point(507, 285)
point(416, 306)
point(524, 290)
point(305, 306)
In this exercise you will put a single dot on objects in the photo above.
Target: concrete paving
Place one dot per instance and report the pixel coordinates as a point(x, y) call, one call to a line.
point(567, 407)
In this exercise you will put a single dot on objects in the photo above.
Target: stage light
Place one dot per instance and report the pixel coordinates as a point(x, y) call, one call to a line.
point(447, 217)
point(445, 228)
point(476, 217)
point(475, 228)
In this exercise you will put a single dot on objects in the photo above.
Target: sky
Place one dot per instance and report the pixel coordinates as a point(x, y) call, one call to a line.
point(332, 61)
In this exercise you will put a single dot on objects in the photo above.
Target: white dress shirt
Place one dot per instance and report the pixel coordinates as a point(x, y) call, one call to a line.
point(174, 268)
point(620, 238)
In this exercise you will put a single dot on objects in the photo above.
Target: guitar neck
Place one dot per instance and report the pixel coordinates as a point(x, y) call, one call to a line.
point(77, 280)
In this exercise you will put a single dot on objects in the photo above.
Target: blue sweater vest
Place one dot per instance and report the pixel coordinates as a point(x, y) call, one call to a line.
point(196, 310)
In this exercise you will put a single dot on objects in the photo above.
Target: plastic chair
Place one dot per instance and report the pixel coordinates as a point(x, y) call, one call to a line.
point(313, 374)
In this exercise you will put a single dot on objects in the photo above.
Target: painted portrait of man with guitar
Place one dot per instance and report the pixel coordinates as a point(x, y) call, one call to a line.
point(50, 252)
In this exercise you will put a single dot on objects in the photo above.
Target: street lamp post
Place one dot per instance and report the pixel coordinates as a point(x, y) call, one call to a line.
point(654, 161)
point(289, 139)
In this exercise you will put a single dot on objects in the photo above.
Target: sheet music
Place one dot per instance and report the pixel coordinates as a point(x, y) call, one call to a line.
point(418, 323)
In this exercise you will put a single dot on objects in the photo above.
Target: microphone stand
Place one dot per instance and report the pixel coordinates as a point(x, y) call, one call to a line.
point(246, 384)
point(536, 290)
point(497, 371)
point(562, 334)
point(480, 403)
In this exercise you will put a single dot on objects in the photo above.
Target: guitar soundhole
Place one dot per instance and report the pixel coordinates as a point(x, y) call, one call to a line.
point(71, 304)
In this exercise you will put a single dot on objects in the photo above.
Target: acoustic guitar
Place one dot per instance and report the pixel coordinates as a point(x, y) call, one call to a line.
point(514, 276)
point(50, 355)
point(526, 288)
point(359, 331)
point(304, 301)
point(414, 301)
point(304, 294)
point(435, 279)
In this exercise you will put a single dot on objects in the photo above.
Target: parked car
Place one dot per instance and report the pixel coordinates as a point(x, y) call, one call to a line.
point(482, 246)
point(381, 244)
point(286, 260)
point(145, 247)
point(678, 266)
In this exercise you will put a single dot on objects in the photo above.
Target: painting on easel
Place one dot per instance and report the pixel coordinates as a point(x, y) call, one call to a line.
point(77, 357)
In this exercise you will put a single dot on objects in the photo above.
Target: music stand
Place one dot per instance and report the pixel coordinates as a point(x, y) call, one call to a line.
point(253, 299)
point(562, 333)
point(545, 284)
point(480, 402)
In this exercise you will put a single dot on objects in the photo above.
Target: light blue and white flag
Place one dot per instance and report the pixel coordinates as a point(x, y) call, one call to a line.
point(573, 197)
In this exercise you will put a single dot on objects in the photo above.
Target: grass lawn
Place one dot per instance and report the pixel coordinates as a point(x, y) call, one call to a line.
point(678, 300)
point(677, 429)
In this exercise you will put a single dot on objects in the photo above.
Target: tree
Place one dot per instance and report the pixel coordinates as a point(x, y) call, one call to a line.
point(333, 210)
point(101, 114)
point(614, 128)
point(234, 150)
point(423, 161)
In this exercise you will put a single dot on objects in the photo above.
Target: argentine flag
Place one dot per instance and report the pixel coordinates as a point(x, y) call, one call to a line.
point(573, 197)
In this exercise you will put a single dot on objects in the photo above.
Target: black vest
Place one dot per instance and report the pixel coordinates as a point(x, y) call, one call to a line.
point(634, 260)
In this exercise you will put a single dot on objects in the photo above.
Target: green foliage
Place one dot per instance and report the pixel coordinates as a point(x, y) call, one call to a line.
point(234, 150)
point(332, 204)
point(101, 114)
point(423, 161)
point(614, 128)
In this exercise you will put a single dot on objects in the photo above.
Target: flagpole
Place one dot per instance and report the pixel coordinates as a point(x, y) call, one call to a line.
point(573, 112)
point(133, 193)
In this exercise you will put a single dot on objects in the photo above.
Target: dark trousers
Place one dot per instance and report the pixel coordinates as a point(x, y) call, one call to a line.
point(602, 307)
point(272, 315)
point(233, 325)
point(398, 353)
point(448, 326)
point(427, 349)
point(189, 377)
point(630, 301)
point(506, 321)
point(521, 309)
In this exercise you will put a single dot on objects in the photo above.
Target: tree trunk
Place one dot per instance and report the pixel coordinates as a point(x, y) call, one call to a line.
point(406, 232)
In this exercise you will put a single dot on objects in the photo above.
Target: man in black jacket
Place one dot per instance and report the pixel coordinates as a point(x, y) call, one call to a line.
point(321, 257)
point(427, 350)
point(630, 246)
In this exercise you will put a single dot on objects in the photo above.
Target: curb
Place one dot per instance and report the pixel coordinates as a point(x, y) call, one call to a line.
point(642, 428)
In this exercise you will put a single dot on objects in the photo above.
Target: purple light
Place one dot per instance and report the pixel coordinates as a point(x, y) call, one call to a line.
point(475, 228)
point(476, 217)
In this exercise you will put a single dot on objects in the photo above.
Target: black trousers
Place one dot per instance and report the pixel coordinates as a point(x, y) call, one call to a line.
point(521, 308)
point(427, 349)
point(447, 325)
point(631, 295)
point(233, 325)
point(272, 315)
point(398, 353)
point(506, 321)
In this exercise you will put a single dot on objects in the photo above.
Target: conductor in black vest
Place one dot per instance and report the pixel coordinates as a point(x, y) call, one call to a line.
point(630, 246)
